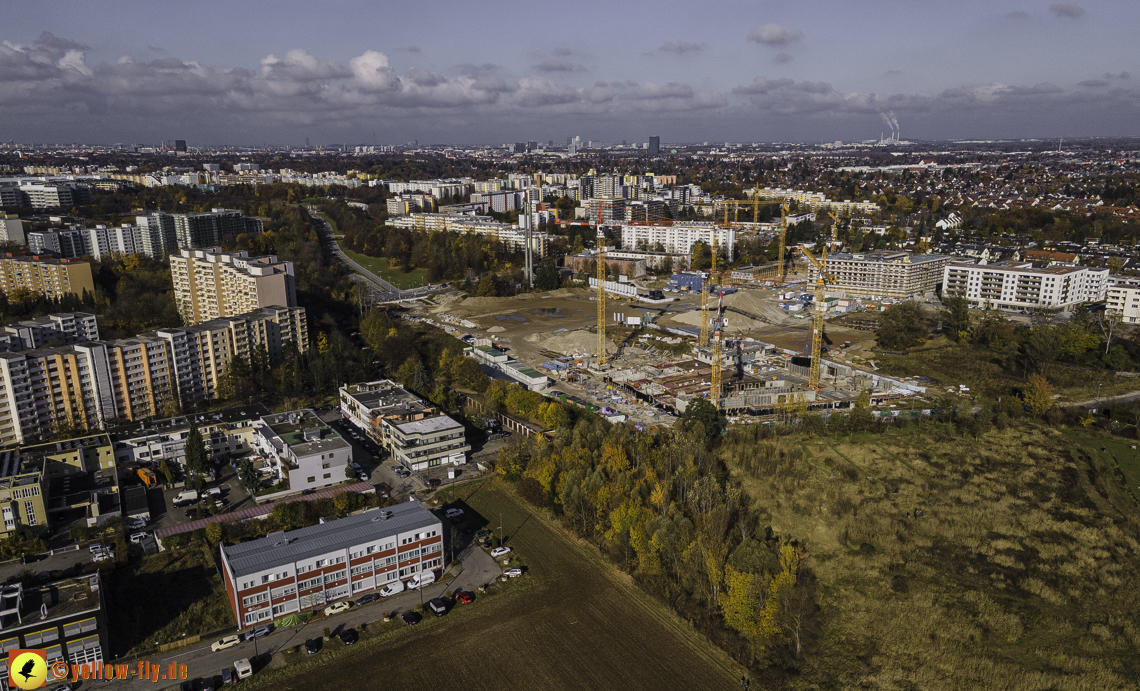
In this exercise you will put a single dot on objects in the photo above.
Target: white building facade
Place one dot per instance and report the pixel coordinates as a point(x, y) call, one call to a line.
point(678, 239)
point(1017, 285)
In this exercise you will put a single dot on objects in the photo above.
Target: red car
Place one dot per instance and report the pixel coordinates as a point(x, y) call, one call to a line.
point(465, 598)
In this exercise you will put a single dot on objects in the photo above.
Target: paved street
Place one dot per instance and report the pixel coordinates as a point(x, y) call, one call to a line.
point(477, 568)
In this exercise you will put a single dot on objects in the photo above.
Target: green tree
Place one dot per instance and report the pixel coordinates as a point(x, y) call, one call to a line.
point(214, 534)
point(699, 412)
point(701, 257)
point(248, 476)
point(902, 325)
point(956, 316)
point(197, 458)
point(167, 473)
point(546, 278)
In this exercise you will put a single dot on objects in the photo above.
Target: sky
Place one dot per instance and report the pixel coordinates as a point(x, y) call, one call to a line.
point(358, 72)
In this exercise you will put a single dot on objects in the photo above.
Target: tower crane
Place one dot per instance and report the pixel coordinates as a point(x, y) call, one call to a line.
point(718, 329)
point(817, 322)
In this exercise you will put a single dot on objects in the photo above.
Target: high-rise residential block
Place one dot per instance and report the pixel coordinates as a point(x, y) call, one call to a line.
point(45, 276)
point(210, 283)
point(11, 228)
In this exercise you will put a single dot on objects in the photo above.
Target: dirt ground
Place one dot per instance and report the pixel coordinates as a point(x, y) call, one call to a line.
point(578, 626)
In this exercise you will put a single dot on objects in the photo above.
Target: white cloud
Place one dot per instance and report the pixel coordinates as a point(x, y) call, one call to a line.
point(681, 47)
point(776, 35)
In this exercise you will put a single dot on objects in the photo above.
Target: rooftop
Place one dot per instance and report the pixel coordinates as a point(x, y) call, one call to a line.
point(296, 545)
point(24, 606)
point(428, 426)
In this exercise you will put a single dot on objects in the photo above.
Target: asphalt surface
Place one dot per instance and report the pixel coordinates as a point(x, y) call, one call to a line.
point(477, 568)
point(385, 291)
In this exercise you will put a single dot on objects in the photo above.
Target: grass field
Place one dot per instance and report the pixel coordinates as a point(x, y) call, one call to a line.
point(1022, 574)
point(164, 597)
point(379, 266)
point(577, 626)
point(949, 364)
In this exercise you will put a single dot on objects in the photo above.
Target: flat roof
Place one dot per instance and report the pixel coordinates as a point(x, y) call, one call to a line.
point(432, 424)
point(296, 545)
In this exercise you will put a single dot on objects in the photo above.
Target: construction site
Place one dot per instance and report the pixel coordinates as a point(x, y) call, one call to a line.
point(754, 350)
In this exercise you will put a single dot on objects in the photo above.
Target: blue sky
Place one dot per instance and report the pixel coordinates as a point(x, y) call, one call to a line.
point(492, 72)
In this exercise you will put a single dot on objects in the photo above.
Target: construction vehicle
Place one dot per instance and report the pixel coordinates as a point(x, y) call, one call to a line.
point(147, 476)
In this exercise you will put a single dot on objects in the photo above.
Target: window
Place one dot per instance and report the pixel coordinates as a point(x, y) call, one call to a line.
point(311, 479)
point(327, 476)
point(30, 512)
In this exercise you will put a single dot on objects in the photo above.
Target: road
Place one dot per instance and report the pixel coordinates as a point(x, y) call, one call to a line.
point(386, 292)
point(477, 568)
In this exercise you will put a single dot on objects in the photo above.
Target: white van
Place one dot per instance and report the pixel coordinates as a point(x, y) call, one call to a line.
point(392, 588)
point(243, 668)
point(420, 579)
point(186, 497)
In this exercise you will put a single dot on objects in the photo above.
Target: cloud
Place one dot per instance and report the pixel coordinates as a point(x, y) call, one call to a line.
point(776, 35)
point(783, 58)
point(681, 47)
point(558, 66)
point(1017, 14)
point(650, 90)
point(301, 65)
point(562, 52)
point(893, 73)
point(1093, 82)
point(1120, 75)
point(1070, 10)
point(413, 49)
point(156, 49)
point(472, 69)
point(761, 85)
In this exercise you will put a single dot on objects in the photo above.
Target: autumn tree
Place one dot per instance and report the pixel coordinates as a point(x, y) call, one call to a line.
point(1039, 394)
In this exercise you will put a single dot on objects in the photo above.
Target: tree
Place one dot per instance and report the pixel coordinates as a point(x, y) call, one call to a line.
point(546, 278)
point(214, 534)
point(902, 325)
point(956, 316)
point(248, 476)
point(703, 414)
point(1042, 347)
point(1108, 321)
point(1039, 394)
point(167, 473)
point(487, 287)
point(701, 257)
point(197, 458)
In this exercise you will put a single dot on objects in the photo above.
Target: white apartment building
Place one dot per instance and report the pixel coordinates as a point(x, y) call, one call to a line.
point(303, 449)
point(677, 238)
point(303, 569)
point(882, 273)
point(224, 434)
point(418, 435)
point(65, 327)
point(1017, 285)
point(210, 283)
point(11, 229)
point(463, 223)
point(1125, 301)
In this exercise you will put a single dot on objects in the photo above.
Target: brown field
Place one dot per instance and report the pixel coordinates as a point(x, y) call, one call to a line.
point(1022, 574)
point(575, 625)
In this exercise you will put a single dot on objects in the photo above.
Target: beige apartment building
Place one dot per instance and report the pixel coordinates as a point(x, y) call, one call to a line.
point(210, 283)
point(45, 275)
point(882, 273)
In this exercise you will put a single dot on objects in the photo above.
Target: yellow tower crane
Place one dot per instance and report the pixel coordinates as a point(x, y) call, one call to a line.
point(717, 354)
point(817, 322)
point(601, 296)
point(783, 242)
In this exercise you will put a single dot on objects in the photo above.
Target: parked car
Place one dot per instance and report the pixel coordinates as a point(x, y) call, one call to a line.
point(227, 676)
point(464, 598)
point(454, 513)
point(434, 482)
point(513, 573)
point(337, 608)
point(312, 647)
point(410, 618)
point(258, 632)
point(437, 605)
point(500, 551)
point(138, 537)
point(367, 599)
point(482, 534)
point(349, 636)
point(243, 669)
point(227, 642)
point(186, 497)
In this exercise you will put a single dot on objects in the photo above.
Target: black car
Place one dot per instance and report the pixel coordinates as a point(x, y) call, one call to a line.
point(410, 618)
point(438, 606)
point(349, 636)
point(367, 599)
point(312, 646)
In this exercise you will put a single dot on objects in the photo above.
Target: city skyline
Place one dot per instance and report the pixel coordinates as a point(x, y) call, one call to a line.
point(352, 72)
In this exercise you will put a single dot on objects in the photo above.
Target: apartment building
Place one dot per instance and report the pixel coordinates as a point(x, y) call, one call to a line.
point(45, 275)
point(463, 223)
point(65, 618)
point(156, 235)
point(410, 203)
point(49, 195)
point(882, 273)
point(64, 328)
point(66, 243)
point(23, 492)
point(202, 352)
point(102, 241)
point(415, 431)
point(302, 449)
point(1017, 285)
point(1124, 300)
point(677, 238)
point(226, 434)
point(216, 227)
point(304, 569)
point(210, 283)
point(11, 228)
point(617, 266)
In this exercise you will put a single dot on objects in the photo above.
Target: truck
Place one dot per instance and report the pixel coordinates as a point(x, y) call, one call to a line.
point(147, 476)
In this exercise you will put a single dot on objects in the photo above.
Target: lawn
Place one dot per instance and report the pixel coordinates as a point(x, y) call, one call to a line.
point(578, 626)
point(163, 597)
point(1021, 574)
point(379, 266)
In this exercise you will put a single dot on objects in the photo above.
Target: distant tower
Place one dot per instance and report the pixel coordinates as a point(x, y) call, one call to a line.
point(654, 146)
point(180, 145)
